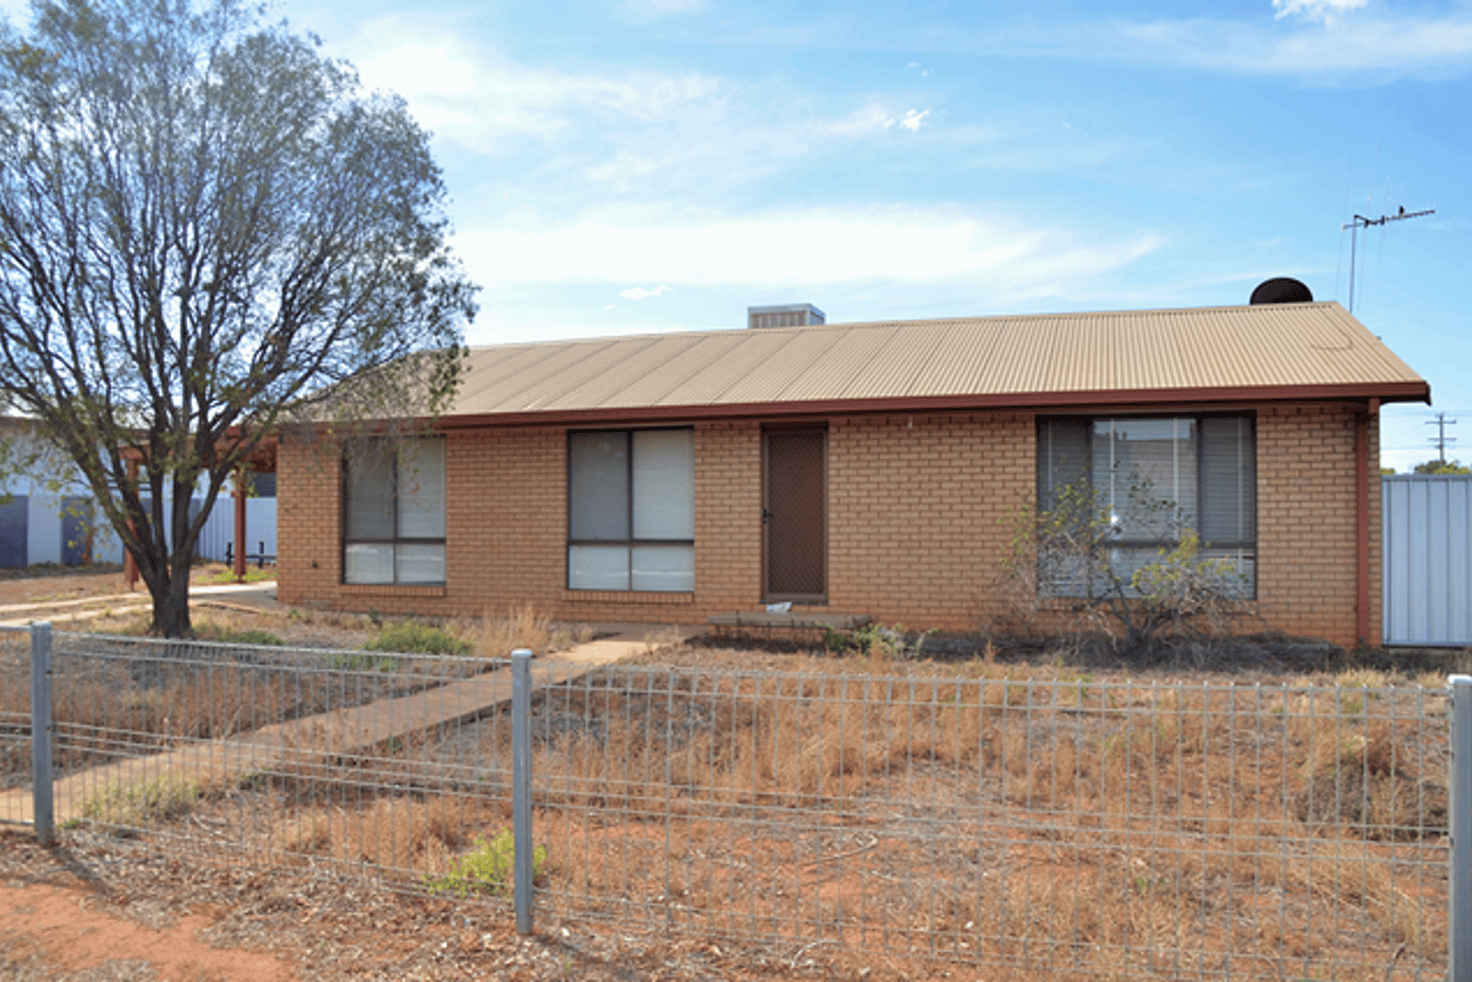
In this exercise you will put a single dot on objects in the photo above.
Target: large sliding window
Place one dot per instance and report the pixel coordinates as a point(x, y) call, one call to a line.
point(1152, 479)
point(394, 512)
point(631, 510)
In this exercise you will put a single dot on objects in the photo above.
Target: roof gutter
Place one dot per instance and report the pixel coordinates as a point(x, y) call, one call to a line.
point(1384, 392)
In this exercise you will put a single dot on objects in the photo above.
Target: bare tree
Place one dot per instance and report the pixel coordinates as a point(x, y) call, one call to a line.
point(1066, 560)
point(205, 228)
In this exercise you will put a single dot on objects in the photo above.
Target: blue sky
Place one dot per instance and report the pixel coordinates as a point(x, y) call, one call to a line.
point(655, 165)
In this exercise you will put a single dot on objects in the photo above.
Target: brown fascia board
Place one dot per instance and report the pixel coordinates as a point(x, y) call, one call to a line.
point(1140, 398)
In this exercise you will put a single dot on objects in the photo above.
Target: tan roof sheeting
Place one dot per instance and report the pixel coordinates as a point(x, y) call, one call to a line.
point(1310, 350)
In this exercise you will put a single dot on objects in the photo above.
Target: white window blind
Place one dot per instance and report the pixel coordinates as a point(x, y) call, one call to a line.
point(370, 494)
point(394, 513)
point(631, 510)
point(599, 480)
point(1155, 477)
point(664, 484)
point(421, 490)
point(1146, 469)
point(1229, 481)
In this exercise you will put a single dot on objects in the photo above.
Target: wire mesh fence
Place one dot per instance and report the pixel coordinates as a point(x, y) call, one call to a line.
point(1062, 826)
point(15, 724)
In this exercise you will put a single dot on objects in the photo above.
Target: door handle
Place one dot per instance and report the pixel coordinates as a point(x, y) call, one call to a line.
point(766, 516)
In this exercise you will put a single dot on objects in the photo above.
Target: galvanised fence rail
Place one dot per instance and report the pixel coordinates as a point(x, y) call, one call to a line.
point(1065, 827)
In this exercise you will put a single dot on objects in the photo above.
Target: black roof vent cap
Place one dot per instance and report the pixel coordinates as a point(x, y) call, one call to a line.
point(1281, 289)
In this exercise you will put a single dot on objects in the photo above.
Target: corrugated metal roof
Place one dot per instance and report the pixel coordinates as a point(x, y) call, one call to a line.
point(1315, 348)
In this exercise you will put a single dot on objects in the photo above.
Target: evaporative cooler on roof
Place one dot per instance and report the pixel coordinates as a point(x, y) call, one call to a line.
point(784, 315)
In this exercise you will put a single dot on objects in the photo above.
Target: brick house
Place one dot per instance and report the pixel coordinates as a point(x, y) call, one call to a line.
point(860, 468)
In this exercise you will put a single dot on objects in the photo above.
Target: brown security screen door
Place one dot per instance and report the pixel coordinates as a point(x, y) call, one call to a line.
point(795, 515)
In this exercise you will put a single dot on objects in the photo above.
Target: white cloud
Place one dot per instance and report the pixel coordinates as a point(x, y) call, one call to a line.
point(824, 246)
point(1319, 10)
point(1320, 42)
point(479, 98)
point(913, 120)
point(18, 12)
point(1385, 47)
point(639, 293)
point(870, 119)
point(663, 8)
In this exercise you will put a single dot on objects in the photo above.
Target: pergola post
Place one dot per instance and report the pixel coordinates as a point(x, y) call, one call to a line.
point(130, 564)
point(240, 524)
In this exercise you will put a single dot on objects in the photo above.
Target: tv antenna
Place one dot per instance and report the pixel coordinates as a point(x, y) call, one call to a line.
point(1359, 222)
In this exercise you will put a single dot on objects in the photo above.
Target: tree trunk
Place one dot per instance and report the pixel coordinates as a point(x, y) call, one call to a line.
point(171, 607)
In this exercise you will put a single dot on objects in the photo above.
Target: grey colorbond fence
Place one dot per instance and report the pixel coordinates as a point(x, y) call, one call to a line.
point(1426, 524)
point(219, 529)
point(1245, 831)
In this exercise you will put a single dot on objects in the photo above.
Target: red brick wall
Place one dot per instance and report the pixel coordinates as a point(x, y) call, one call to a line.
point(916, 504)
point(915, 532)
point(1306, 522)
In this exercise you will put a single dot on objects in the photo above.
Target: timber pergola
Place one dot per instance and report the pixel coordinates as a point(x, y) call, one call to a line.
point(262, 460)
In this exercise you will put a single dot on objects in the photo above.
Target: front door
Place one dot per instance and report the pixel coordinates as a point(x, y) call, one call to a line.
point(795, 515)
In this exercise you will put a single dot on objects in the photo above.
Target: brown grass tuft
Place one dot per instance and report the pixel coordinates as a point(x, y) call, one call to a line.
point(496, 636)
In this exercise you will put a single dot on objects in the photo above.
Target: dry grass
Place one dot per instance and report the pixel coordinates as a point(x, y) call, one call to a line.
point(154, 700)
point(1071, 826)
point(497, 635)
point(1054, 822)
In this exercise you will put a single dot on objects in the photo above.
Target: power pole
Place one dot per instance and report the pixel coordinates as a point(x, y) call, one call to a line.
point(1441, 439)
point(1359, 222)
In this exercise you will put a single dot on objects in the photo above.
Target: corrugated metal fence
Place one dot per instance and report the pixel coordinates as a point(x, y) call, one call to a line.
point(1426, 524)
point(219, 530)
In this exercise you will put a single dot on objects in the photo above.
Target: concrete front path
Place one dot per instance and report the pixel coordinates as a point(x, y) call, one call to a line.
point(64, 613)
point(342, 732)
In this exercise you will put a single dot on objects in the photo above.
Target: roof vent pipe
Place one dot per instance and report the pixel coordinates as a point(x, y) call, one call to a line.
point(784, 315)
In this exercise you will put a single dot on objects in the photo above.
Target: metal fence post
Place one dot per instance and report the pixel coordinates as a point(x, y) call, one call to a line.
point(41, 788)
point(1459, 939)
point(521, 785)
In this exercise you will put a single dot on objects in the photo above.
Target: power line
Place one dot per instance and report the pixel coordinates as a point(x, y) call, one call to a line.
point(1441, 439)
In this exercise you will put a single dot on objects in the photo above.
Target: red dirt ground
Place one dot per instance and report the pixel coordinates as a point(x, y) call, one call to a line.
point(49, 928)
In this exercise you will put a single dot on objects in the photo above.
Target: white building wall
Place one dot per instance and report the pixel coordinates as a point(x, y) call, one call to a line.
point(43, 533)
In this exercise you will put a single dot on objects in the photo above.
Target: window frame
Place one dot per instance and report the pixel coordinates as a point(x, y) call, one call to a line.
point(1091, 419)
point(396, 540)
point(630, 505)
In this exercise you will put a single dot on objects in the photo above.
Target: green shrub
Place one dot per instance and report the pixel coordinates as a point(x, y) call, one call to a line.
point(140, 803)
point(414, 637)
point(252, 575)
point(876, 640)
point(489, 866)
point(364, 663)
point(254, 635)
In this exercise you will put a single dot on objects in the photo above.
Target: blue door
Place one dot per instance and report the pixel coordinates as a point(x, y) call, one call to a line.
point(13, 530)
point(76, 530)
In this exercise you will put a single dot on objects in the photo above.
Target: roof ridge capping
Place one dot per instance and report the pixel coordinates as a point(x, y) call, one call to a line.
point(921, 322)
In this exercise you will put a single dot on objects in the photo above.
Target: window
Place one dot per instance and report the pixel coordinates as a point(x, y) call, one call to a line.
point(394, 512)
point(1154, 478)
point(631, 510)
